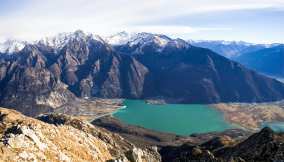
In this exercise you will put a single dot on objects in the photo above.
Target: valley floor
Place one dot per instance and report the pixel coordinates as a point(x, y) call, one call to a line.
point(251, 116)
point(90, 109)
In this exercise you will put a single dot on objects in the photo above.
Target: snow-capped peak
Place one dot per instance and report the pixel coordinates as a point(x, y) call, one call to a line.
point(137, 38)
point(11, 46)
point(57, 41)
point(146, 38)
point(119, 38)
point(61, 39)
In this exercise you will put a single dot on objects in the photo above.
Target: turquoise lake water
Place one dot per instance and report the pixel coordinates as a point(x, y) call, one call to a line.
point(182, 119)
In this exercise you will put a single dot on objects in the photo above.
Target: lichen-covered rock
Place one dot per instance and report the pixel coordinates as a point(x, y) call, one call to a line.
point(63, 138)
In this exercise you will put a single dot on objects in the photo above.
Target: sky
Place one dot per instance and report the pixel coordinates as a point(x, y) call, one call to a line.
point(257, 21)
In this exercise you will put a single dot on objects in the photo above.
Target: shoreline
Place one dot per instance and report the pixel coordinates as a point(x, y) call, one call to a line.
point(250, 116)
point(91, 109)
point(109, 113)
point(229, 125)
point(245, 116)
point(234, 125)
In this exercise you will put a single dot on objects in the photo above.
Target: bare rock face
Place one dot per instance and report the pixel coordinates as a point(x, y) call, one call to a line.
point(28, 86)
point(266, 145)
point(62, 138)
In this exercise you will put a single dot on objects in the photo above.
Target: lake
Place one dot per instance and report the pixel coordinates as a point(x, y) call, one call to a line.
point(182, 119)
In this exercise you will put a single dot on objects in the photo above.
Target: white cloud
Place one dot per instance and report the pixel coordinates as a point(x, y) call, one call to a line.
point(48, 17)
point(171, 30)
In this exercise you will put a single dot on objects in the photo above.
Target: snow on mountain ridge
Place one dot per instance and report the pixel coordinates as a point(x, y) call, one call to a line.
point(61, 39)
point(11, 46)
point(118, 39)
point(133, 39)
point(143, 39)
point(123, 38)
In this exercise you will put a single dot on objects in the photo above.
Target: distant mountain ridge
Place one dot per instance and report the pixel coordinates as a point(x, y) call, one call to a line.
point(50, 73)
point(230, 49)
point(269, 61)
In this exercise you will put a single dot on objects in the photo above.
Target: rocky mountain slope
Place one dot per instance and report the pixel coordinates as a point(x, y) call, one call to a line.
point(63, 138)
point(264, 146)
point(48, 74)
point(195, 75)
point(268, 61)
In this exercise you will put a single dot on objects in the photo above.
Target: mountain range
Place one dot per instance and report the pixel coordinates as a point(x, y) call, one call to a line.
point(230, 49)
point(55, 70)
point(263, 58)
point(268, 61)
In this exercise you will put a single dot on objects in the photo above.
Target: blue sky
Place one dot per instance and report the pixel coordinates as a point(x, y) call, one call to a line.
point(259, 21)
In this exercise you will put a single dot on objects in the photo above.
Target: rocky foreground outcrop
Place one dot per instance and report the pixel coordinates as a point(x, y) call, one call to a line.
point(264, 146)
point(62, 138)
point(56, 137)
